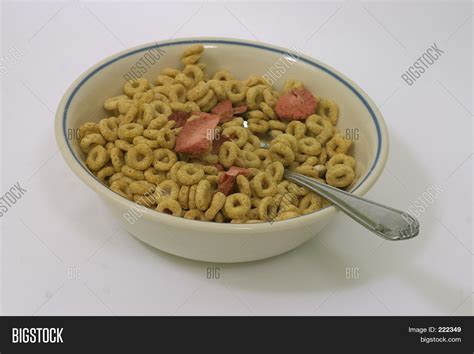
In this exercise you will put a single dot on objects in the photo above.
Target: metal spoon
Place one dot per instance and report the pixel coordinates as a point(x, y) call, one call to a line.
point(386, 222)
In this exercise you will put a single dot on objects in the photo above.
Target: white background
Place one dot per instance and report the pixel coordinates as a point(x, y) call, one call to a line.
point(60, 225)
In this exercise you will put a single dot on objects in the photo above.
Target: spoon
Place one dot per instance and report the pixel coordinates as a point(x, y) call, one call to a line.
point(388, 223)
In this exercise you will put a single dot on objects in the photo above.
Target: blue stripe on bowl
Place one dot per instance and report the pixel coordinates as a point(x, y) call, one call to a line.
point(210, 41)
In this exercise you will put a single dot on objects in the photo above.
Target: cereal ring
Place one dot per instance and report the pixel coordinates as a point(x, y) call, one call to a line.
point(268, 111)
point(90, 141)
point(214, 181)
point(276, 170)
point(338, 159)
point(109, 146)
point(252, 214)
point(154, 176)
point(116, 157)
point(256, 114)
point(248, 147)
point(156, 124)
point(132, 173)
point(177, 93)
point(209, 158)
point(236, 91)
point(191, 75)
point(255, 201)
point(97, 158)
point(192, 196)
point(237, 205)
point(139, 157)
point(254, 96)
point(194, 214)
point(174, 169)
point(146, 200)
point(296, 190)
point(217, 203)
point(219, 218)
point(198, 91)
point(264, 156)
point(263, 185)
point(338, 145)
point(110, 104)
point(191, 55)
point(282, 187)
point(223, 75)
point(282, 153)
point(190, 174)
point(296, 128)
point(161, 108)
point(169, 206)
point(270, 97)
point(239, 135)
point(243, 185)
point(132, 87)
point(108, 128)
point(115, 177)
point(321, 128)
point(164, 159)
point(167, 189)
point(267, 209)
point(170, 73)
point(162, 79)
point(144, 97)
point(183, 197)
point(121, 187)
point(153, 144)
point(203, 195)
point(210, 170)
point(228, 153)
point(131, 113)
point(288, 215)
point(254, 140)
point(219, 89)
point(340, 176)
point(257, 125)
point(123, 106)
point(88, 128)
point(307, 170)
point(247, 159)
point(329, 109)
point(292, 84)
point(105, 172)
point(166, 138)
point(127, 179)
point(323, 156)
point(311, 202)
point(123, 145)
point(239, 122)
point(254, 80)
point(276, 125)
point(309, 146)
point(185, 107)
point(141, 187)
point(288, 140)
point(207, 102)
point(129, 131)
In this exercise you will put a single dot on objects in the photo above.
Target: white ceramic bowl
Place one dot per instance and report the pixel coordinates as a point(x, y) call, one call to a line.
point(208, 241)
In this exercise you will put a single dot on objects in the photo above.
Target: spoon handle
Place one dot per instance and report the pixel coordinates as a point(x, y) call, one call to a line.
point(386, 222)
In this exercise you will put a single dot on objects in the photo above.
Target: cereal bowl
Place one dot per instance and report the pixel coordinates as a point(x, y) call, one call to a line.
point(211, 241)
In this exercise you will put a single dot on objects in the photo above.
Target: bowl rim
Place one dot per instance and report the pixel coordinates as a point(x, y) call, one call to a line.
point(89, 179)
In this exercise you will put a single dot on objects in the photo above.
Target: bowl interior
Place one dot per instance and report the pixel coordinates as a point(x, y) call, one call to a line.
point(357, 118)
